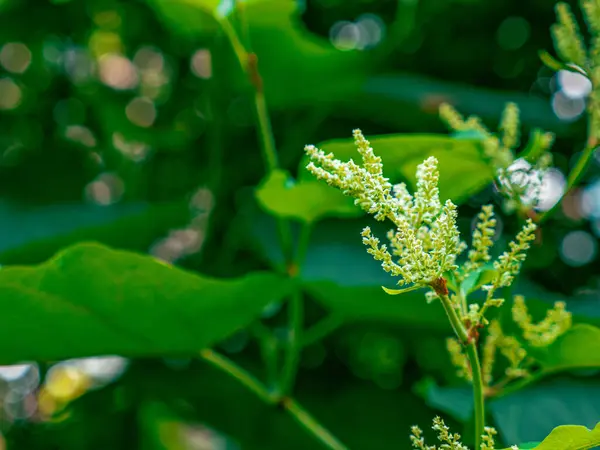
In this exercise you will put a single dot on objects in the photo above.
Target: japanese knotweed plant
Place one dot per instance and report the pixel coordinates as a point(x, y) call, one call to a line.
point(424, 252)
point(518, 177)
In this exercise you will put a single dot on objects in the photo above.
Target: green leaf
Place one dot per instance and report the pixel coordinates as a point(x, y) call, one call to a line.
point(554, 64)
point(298, 67)
point(477, 279)
point(455, 401)
point(187, 17)
point(307, 201)
point(418, 97)
point(577, 348)
point(571, 437)
point(33, 238)
point(463, 169)
point(342, 276)
point(530, 414)
point(92, 300)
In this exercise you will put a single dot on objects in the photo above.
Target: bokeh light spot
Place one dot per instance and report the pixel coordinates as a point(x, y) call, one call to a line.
point(345, 35)
point(10, 94)
point(118, 72)
point(65, 383)
point(80, 134)
point(566, 108)
point(201, 64)
point(574, 85)
point(552, 188)
point(578, 248)
point(141, 111)
point(15, 57)
point(512, 33)
point(105, 190)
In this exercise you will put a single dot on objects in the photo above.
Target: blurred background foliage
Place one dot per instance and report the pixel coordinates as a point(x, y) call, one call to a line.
point(131, 123)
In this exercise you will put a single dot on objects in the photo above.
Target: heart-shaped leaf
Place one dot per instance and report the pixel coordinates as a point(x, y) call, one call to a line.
point(92, 300)
point(571, 437)
point(463, 169)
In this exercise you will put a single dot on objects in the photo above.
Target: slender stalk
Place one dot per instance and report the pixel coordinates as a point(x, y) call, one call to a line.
point(456, 323)
point(268, 350)
point(473, 356)
point(235, 371)
point(478, 392)
point(292, 407)
point(264, 127)
point(308, 422)
point(294, 348)
point(295, 316)
point(321, 329)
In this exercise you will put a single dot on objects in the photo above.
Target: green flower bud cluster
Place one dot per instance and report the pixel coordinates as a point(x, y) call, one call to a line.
point(425, 241)
point(571, 48)
point(448, 440)
point(514, 349)
point(519, 179)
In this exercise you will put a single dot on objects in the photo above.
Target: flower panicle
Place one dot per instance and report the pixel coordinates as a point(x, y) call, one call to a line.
point(509, 126)
point(557, 322)
point(459, 359)
point(482, 241)
point(509, 263)
point(567, 37)
point(425, 241)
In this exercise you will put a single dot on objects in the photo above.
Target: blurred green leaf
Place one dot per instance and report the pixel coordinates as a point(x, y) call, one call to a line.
point(530, 414)
point(463, 169)
point(38, 234)
point(418, 97)
point(477, 279)
point(371, 303)
point(571, 437)
point(307, 201)
point(455, 401)
point(298, 67)
point(577, 348)
point(92, 300)
point(189, 18)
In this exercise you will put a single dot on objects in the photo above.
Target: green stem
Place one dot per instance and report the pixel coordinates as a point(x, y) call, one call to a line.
point(321, 329)
point(245, 378)
point(292, 407)
point(456, 323)
point(294, 347)
point(478, 392)
point(473, 356)
point(264, 126)
point(268, 350)
point(308, 422)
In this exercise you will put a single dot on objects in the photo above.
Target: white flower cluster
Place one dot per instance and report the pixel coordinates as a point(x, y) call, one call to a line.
point(425, 241)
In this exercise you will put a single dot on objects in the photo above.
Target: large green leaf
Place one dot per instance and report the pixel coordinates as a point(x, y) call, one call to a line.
point(571, 437)
point(307, 201)
point(92, 300)
point(463, 169)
